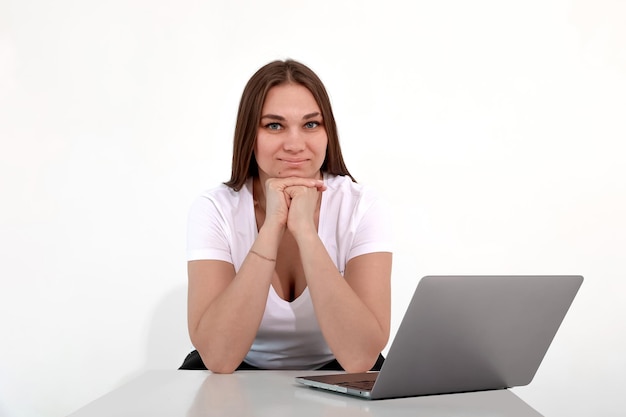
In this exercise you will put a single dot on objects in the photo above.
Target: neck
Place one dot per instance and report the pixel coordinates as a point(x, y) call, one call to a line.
point(258, 194)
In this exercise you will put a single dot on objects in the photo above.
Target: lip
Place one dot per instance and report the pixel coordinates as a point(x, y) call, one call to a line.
point(293, 161)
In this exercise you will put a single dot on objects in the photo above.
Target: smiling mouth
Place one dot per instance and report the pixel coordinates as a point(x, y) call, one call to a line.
point(293, 161)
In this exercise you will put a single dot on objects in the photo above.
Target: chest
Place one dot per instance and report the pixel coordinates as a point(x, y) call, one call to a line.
point(289, 280)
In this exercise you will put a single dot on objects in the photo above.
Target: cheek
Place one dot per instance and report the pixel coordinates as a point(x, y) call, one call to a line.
point(263, 149)
point(260, 146)
point(322, 146)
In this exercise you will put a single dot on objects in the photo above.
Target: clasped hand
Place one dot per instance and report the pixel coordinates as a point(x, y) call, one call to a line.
point(292, 202)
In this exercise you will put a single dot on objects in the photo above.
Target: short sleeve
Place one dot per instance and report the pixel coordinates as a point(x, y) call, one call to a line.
point(374, 229)
point(208, 232)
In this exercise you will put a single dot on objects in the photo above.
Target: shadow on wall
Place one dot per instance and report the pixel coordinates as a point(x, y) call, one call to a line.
point(168, 340)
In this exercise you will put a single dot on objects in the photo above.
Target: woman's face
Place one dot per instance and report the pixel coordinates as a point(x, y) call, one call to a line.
point(291, 138)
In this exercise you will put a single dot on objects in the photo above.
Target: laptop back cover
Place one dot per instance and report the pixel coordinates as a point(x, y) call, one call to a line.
point(471, 333)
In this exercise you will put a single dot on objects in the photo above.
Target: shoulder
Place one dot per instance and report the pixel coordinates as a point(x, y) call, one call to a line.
point(342, 183)
point(356, 216)
point(352, 202)
point(223, 196)
point(344, 188)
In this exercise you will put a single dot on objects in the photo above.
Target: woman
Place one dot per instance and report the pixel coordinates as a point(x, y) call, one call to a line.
point(289, 262)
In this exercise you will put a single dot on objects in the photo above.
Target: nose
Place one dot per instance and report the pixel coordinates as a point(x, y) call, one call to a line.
point(294, 141)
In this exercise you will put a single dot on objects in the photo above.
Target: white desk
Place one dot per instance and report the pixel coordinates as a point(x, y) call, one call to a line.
point(275, 394)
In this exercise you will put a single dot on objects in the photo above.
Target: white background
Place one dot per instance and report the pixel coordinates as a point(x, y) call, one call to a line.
point(495, 128)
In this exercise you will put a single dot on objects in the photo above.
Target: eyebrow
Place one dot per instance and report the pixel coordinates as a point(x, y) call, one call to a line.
point(281, 118)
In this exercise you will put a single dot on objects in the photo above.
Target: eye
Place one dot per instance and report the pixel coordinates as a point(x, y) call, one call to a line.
point(311, 125)
point(273, 126)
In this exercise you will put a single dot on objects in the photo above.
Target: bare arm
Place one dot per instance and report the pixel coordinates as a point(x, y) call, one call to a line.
point(354, 311)
point(225, 309)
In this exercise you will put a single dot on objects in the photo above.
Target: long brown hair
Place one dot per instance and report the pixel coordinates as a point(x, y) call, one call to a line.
point(244, 164)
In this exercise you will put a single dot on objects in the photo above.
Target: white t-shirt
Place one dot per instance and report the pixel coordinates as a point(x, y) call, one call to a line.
point(353, 221)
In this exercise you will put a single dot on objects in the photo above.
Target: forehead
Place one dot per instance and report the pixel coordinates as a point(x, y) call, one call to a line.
point(289, 97)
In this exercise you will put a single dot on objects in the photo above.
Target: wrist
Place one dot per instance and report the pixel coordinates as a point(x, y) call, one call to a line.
point(272, 227)
point(270, 236)
point(304, 233)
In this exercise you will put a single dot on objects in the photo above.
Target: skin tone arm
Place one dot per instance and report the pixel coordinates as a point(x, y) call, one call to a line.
point(225, 308)
point(353, 311)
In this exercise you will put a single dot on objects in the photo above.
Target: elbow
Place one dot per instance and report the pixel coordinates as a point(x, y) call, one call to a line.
point(355, 369)
point(363, 363)
point(221, 369)
point(221, 365)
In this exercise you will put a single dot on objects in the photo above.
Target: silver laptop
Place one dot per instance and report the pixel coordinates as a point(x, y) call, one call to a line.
point(465, 333)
